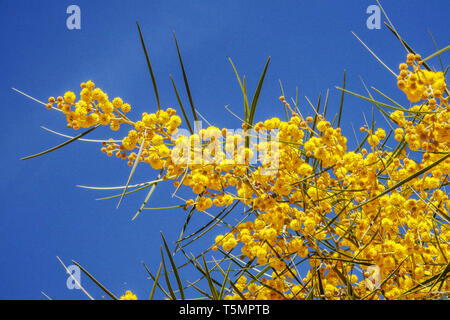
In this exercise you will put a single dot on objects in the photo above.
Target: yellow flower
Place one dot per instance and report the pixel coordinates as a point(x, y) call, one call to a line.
point(126, 108)
point(373, 140)
point(117, 102)
point(69, 97)
point(128, 296)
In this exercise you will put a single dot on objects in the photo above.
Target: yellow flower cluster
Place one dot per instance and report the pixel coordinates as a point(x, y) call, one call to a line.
point(91, 109)
point(342, 211)
point(420, 84)
point(128, 296)
point(154, 131)
point(336, 219)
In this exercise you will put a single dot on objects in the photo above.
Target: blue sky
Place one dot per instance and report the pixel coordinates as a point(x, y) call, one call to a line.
point(45, 215)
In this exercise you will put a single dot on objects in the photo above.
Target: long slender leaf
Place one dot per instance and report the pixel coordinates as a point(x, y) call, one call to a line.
point(118, 187)
point(174, 267)
point(155, 281)
point(212, 287)
point(181, 106)
point(80, 139)
point(34, 99)
point(244, 91)
point(152, 293)
point(155, 88)
point(148, 196)
point(136, 161)
point(341, 104)
point(186, 83)
point(435, 45)
point(376, 57)
point(225, 280)
point(109, 293)
point(257, 93)
point(74, 279)
point(399, 184)
point(62, 144)
point(437, 53)
point(166, 276)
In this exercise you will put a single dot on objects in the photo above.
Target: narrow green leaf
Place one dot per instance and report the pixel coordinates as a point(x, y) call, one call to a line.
point(73, 278)
point(186, 83)
point(45, 295)
point(136, 161)
point(236, 290)
point(181, 106)
point(34, 99)
point(148, 196)
point(408, 48)
point(387, 97)
point(155, 280)
point(174, 267)
point(285, 107)
point(257, 93)
point(260, 274)
point(203, 293)
point(210, 225)
point(341, 103)
point(127, 193)
point(116, 188)
point(235, 260)
point(437, 53)
point(197, 265)
point(166, 208)
point(376, 57)
point(319, 281)
point(326, 104)
point(247, 110)
point(243, 89)
point(381, 103)
point(166, 276)
point(399, 184)
point(426, 283)
point(225, 280)
point(211, 285)
point(436, 46)
point(316, 114)
point(80, 139)
point(62, 144)
point(95, 280)
point(186, 222)
point(149, 67)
